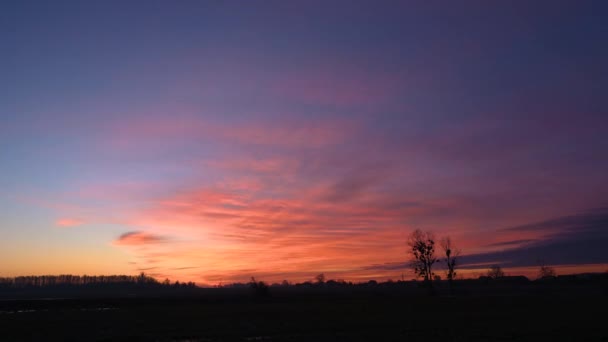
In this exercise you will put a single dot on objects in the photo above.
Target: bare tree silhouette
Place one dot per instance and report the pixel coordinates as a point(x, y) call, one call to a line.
point(451, 255)
point(495, 272)
point(422, 251)
point(320, 278)
point(546, 272)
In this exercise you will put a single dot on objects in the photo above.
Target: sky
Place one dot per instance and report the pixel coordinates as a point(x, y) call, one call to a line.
point(212, 141)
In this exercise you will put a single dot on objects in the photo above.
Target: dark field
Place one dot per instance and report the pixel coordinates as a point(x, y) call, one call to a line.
point(363, 316)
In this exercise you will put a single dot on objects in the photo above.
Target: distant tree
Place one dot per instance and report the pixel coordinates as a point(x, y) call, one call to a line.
point(422, 251)
point(141, 279)
point(495, 272)
point(320, 278)
point(68, 280)
point(546, 272)
point(259, 288)
point(451, 255)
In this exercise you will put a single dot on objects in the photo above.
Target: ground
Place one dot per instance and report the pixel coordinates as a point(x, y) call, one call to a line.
point(314, 317)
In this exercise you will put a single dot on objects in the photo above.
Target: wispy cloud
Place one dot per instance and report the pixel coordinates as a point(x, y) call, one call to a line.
point(568, 240)
point(339, 86)
point(136, 238)
point(511, 243)
point(137, 134)
point(69, 222)
point(277, 230)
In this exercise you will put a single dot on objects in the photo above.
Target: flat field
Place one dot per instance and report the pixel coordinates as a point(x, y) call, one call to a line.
point(373, 316)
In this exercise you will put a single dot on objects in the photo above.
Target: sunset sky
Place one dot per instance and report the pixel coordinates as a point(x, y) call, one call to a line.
point(212, 141)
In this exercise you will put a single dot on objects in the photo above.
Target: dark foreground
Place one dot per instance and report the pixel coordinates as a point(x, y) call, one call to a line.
point(310, 317)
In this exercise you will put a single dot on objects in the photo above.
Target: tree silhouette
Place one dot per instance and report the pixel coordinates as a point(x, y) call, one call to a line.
point(495, 272)
point(451, 255)
point(546, 272)
point(67, 280)
point(320, 278)
point(422, 251)
point(259, 288)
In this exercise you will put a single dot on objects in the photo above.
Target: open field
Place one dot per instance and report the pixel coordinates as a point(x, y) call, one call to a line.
point(366, 316)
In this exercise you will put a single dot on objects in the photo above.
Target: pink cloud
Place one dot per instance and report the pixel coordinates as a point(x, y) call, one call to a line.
point(298, 232)
point(149, 133)
point(288, 134)
point(230, 232)
point(69, 222)
point(285, 212)
point(252, 217)
point(336, 86)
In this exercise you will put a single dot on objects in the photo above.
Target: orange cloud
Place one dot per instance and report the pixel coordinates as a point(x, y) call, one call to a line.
point(236, 233)
point(288, 211)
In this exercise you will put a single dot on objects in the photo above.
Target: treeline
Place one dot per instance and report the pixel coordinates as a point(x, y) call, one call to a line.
point(482, 280)
point(68, 280)
point(485, 284)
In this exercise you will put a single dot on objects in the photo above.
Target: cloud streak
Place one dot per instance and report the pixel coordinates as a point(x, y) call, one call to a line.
point(69, 222)
point(137, 238)
point(569, 240)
